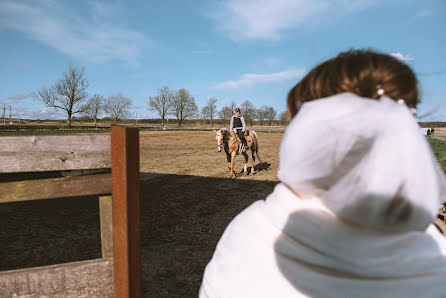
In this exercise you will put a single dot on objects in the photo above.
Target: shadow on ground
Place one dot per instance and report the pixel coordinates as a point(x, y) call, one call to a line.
point(182, 219)
point(264, 166)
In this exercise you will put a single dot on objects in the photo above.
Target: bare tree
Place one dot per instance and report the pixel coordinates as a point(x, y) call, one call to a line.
point(95, 106)
point(68, 93)
point(271, 115)
point(262, 114)
point(248, 111)
point(161, 103)
point(183, 105)
point(284, 118)
point(117, 106)
point(210, 109)
point(227, 112)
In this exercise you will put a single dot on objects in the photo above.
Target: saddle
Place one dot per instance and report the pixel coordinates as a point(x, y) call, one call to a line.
point(245, 134)
point(246, 138)
point(241, 146)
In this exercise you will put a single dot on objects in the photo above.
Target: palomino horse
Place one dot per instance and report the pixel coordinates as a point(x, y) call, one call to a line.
point(228, 141)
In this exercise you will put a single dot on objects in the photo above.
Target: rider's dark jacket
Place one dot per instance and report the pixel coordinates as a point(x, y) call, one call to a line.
point(237, 122)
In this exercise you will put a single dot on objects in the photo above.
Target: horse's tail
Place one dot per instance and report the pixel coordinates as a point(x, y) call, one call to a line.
point(257, 146)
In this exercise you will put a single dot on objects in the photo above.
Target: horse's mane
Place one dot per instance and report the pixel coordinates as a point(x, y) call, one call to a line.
point(225, 132)
point(227, 135)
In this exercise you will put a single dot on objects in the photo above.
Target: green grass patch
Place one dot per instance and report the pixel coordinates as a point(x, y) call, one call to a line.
point(439, 148)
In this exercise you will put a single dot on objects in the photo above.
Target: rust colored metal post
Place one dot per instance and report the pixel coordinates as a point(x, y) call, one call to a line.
point(126, 212)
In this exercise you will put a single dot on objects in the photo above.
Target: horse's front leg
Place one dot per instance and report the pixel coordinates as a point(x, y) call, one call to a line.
point(232, 164)
point(245, 168)
point(228, 158)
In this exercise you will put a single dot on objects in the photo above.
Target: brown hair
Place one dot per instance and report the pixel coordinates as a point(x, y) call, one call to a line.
point(362, 72)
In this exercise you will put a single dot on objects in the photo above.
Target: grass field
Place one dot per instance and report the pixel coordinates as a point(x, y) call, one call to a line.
point(439, 148)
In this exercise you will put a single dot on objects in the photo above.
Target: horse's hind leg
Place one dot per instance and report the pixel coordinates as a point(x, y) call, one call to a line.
point(253, 157)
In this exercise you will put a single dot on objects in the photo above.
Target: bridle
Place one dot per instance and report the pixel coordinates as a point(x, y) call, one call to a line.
point(224, 144)
point(220, 139)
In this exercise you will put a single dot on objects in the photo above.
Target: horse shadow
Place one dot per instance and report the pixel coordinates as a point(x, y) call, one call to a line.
point(263, 166)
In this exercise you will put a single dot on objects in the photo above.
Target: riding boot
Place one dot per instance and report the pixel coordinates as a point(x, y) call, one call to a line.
point(245, 144)
point(240, 146)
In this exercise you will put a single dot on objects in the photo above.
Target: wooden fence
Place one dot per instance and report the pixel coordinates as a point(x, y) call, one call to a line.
point(84, 163)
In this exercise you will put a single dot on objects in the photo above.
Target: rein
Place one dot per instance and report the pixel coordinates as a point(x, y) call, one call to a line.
point(234, 140)
point(225, 144)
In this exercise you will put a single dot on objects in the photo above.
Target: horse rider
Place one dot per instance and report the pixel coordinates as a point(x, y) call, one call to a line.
point(238, 126)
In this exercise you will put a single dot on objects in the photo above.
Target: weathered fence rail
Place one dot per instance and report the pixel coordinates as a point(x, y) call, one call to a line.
point(83, 164)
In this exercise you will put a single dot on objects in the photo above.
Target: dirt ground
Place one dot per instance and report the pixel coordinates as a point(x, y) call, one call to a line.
point(194, 153)
point(440, 133)
point(187, 200)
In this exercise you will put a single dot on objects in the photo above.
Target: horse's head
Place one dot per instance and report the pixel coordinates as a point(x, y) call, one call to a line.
point(220, 138)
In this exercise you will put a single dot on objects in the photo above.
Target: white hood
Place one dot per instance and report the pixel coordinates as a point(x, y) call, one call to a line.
point(365, 159)
point(352, 216)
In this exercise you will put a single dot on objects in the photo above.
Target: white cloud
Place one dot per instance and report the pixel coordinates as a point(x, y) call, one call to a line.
point(57, 26)
point(402, 57)
point(42, 113)
point(16, 98)
point(269, 20)
point(49, 113)
point(252, 79)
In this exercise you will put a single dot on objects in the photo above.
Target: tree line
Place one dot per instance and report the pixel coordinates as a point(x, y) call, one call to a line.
point(70, 94)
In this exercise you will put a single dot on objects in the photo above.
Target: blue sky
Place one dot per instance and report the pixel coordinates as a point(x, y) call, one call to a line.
point(233, 50)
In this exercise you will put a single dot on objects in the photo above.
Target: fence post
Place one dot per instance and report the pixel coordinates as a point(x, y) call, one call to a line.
point(105, 215)
point(126, 212)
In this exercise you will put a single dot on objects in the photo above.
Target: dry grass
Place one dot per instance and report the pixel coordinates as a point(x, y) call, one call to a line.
point(195, 153)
